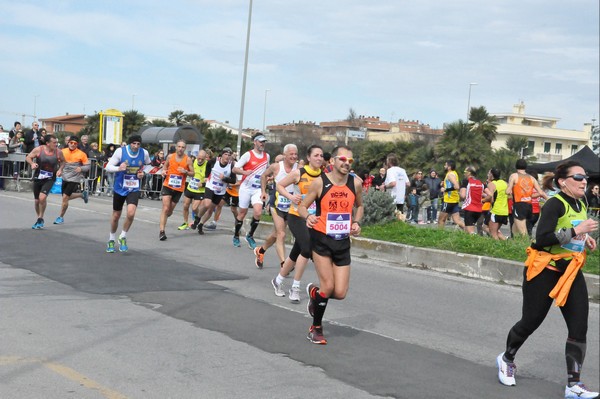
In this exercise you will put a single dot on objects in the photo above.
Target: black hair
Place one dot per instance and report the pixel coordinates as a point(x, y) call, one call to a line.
point(562, 170)
point(452, 164)
point(310, 149)
point(495, 172)
point(326, 156)
point(338, 148)
point(521, 164)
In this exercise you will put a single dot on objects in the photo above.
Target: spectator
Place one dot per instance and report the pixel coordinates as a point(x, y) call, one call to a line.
point(14, 130)
point(593, 200)
point(84, 145)
point(425, 201)
point(379, 180)
point(33, 139)
point(16, 143)
point(413, 206)
point(396, 181)
point(3, 154)
point(96, 159)
point(434, 184)
point(367, 180)
point(108, 178)
point(157, 162)
point(417, 181)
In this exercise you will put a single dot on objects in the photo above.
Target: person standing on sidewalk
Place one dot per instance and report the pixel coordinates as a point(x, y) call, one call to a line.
point(48, 165)
point(434, 183)
point(336, 195)
point(251, 166)
point(77, 165)
point(553, 272)
point(127, 163)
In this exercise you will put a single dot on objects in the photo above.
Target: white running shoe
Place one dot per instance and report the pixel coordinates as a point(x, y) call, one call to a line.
point(294, 294)
point(579, 391)
point(506, 371)
point(277, 287)
point(210, 226)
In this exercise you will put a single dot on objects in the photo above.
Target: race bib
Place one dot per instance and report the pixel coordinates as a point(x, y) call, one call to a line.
point(338, 225)
point(577, 243)
point(44, 174)
point(194, 184)
point(175, 181)
point(283, 203)
point(255, 181)
point(131, 182)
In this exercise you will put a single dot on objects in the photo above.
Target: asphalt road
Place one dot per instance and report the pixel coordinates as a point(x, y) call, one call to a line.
point(192, 317)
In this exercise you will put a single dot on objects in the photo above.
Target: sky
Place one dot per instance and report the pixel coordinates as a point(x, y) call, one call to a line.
point(307, 60)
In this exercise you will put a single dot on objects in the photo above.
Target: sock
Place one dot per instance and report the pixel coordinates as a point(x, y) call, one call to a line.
point(574, 353)
point(321, 304)
point(196, 220)
point(112, 236)
point(296, 283)
point(253, 226)
point(123, 234)
point(238, 227)
point(262, 250)
point(279, 279)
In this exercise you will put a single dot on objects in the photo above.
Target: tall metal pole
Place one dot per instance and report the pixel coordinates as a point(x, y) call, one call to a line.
point(469, 101)
point(241, 125)
point(265, 110)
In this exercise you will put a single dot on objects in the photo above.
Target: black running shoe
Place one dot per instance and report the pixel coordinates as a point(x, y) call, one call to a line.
point(162, 236)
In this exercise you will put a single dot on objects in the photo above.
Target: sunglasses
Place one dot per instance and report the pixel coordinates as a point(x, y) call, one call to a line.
point(578, 177)
point(73, 142)
point(345, 159)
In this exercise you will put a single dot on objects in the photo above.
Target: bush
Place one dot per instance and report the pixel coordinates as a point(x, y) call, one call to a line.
point(379, 207)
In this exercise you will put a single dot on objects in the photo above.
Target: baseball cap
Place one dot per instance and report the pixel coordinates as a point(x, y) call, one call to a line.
point(260, 137)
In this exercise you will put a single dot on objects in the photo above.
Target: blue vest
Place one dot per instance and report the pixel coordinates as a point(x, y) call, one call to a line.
point(127, 181)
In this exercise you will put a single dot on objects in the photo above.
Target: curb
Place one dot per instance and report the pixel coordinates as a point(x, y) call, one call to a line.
point(494, 270)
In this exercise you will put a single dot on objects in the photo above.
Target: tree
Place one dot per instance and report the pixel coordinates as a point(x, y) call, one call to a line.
point(517, 144)
point(504, 160)
point(483, 123)
point(176, 117)
point(132, 122)
point(463, 145)
point(161, 123)
point(352, 118)
point(217, 138)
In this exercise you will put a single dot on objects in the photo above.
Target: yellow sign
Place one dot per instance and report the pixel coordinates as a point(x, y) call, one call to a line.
point(111, 127)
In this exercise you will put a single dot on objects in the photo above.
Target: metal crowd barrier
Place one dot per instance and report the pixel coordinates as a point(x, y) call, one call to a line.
point(15, 172)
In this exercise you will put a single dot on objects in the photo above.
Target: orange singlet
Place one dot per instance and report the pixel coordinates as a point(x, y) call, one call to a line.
point(334, 208)
point(523, 188)
point(174, 179)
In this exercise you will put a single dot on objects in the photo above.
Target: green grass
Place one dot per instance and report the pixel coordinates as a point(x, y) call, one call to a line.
point(457, 241)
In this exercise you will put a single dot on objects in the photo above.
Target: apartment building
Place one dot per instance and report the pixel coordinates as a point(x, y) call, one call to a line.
point(545, 141)
point(64, 123)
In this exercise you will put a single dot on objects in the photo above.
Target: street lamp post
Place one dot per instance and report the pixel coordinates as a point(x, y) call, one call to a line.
point(241, 125)
point(35, 107)
point(469, 101)
point(265, 110)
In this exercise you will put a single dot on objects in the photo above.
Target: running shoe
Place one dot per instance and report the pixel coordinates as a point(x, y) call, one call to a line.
point(123, 244)
point(506, 371)
point(310, 306)
point(294, 294)
point(259, 257)
point(211, 226)
point(236, 241)
point(579, 391)
point(251, 242)
point(86, 196)
point(110, 247)
point(59, 220)
point(200, 230)
point(36, 225)
point(194, 225)
point(162, 236)
point(277, 287)
point(40, 223)
point(315, 335)
point(184, 226)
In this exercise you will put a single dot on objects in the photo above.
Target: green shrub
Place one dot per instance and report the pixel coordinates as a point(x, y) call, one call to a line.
point(379, 207)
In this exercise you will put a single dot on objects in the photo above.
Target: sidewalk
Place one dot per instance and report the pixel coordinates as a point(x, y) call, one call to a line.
point(472, 266)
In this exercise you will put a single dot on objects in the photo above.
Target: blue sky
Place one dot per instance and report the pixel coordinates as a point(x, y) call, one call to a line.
point(393, 59)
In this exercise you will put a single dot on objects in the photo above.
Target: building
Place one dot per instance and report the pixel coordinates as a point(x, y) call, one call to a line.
point(66, 123)
point(407, 130)
point(545, 141)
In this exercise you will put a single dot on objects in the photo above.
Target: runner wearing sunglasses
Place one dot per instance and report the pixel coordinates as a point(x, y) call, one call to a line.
point(336, 195)
point(554, 272)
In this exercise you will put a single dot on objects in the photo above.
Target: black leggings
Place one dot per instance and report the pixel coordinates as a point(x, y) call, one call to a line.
point(302, 245)
point(537, 303)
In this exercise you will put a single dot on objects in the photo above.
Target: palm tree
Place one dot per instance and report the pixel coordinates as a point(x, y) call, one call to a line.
point(176, 117)
point(132, 122)
point(483, 123)
point(517, 144)
point(463, 145)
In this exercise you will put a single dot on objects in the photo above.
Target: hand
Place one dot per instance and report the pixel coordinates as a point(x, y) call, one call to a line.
point(311, 220)
point(34, 165)
point(591, 243)
point(296, 198)
point(587, 226)
point(355, 229)
point(123, 166)
point(264, 196)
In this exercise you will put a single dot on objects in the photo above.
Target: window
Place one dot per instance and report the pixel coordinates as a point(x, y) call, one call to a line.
point(58, 127)
point(547, 147)
point(530, 147)
point(558, 148)
point(574, 148)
